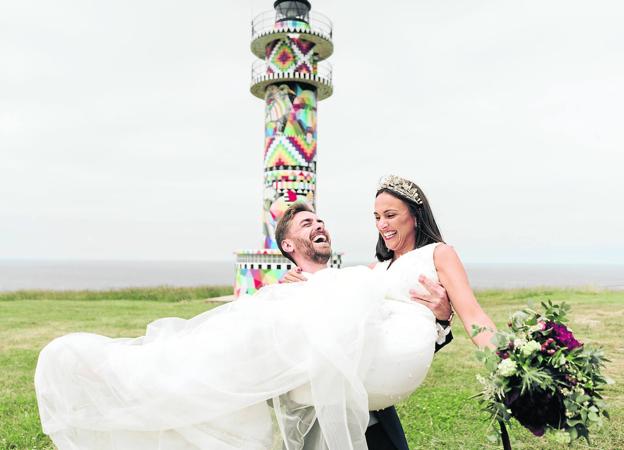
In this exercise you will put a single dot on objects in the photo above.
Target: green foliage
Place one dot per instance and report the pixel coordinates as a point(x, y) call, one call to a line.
point(555, 312)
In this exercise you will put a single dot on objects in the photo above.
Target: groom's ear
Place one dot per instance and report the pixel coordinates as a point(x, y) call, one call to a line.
point(288, 245)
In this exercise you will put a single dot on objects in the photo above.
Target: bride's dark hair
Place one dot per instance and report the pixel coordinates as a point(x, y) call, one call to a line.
point(427, 231)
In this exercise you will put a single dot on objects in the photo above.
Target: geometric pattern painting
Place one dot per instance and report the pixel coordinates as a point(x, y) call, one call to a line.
point(283, 187)
point(290, 55)
point(257, 268)
point(282, 57)
point(290, 125)
point(249, 281)
point(281, 152)
point(289, 151)
point(293, 24)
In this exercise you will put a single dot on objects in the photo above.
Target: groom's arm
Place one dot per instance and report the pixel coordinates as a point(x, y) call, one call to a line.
point(445, 335)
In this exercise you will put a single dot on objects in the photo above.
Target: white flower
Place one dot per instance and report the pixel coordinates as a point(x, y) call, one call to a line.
point(507, 367)
point(530, 347)
point(518, 342)
point(519, 317)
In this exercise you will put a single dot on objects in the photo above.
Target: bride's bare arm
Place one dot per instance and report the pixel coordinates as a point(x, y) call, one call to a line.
point(454, 279)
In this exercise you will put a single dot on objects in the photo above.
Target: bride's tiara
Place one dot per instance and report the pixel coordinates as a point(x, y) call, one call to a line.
point(401, 186)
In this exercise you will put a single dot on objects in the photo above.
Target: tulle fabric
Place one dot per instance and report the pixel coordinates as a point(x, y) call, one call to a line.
point(207, 382)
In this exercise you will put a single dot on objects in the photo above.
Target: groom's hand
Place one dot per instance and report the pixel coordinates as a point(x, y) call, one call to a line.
point(435, 299)
point(293, 276)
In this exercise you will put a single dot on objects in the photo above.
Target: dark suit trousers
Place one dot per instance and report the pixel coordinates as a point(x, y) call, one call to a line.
point(377, 439)
point(387, 433)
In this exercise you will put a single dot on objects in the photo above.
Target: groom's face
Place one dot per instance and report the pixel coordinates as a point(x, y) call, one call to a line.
point(308, 238)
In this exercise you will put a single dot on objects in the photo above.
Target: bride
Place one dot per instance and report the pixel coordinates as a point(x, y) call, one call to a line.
point(344, 342)
point(409, 244)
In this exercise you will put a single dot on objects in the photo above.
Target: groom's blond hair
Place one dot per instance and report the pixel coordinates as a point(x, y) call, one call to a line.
point(283, 226)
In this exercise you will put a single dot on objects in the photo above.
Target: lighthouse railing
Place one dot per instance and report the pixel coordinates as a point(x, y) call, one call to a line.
point(260, 73)
point(265, 22)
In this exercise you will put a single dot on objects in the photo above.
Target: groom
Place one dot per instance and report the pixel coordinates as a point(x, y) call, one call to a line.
point(302, 237)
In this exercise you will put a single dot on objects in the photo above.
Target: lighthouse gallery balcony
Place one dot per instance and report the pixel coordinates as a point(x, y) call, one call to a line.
point(318, 29)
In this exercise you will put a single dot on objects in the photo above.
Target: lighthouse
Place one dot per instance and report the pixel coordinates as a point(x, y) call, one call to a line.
point(291, 76)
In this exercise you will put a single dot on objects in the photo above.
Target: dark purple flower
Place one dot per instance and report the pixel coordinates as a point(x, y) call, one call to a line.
point(536, 409)
point(537, 431)
point(563, 336)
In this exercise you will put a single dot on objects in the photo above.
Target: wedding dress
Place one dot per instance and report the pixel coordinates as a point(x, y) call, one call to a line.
point(345, 341)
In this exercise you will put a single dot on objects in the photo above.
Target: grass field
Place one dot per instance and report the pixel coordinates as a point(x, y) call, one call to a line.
point(439, 415)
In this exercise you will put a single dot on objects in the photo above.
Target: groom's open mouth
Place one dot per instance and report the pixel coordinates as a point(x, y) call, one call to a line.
point(320, 238)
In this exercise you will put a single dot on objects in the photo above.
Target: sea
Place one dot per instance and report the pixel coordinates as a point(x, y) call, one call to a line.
point(98, 275)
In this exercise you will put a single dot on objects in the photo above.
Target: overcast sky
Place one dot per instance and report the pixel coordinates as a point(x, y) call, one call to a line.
point(127, 130)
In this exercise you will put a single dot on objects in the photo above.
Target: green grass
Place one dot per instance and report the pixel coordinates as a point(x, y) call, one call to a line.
point(155, 294)
point(440, 414)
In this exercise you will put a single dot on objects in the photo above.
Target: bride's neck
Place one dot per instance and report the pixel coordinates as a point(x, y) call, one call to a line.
point(399, 253)
point(411, 245)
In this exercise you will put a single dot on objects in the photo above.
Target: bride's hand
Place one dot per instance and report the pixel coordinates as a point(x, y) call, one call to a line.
point(293, 276)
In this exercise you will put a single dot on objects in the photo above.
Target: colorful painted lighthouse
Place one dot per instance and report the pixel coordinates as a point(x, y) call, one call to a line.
point(291, 76)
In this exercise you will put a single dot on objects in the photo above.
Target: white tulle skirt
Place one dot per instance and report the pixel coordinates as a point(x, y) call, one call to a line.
point(333, 342)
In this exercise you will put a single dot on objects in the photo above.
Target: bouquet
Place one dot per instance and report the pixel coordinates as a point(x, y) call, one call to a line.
point(541, 375)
